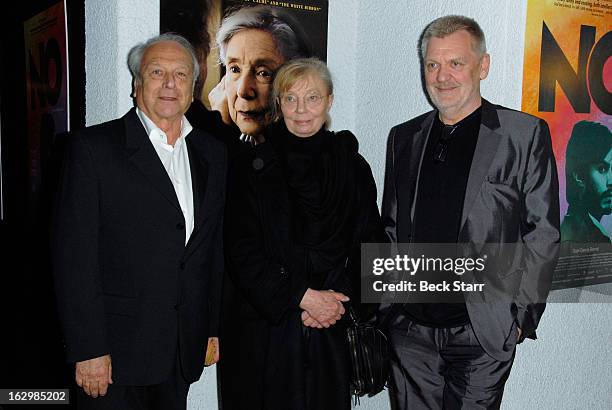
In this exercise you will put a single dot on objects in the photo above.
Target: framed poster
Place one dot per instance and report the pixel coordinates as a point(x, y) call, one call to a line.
point(199, 20)
point(46, 64)
point(1, 170)
point(567, 81)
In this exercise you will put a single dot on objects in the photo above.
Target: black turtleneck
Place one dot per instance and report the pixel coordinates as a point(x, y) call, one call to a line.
point(311, 146)
point(439, 203)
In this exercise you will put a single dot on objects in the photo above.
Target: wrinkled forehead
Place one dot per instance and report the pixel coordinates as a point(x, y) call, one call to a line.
point(168, 53)
point(458, 41)
point(250, 46)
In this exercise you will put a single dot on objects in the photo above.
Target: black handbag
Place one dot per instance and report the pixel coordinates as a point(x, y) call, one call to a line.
point(369, 350)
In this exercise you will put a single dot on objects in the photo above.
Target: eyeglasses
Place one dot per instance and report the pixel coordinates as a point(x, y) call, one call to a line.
point(442, 146)
point(310, 101)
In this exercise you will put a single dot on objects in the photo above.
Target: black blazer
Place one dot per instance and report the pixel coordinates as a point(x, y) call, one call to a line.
point(512, 196)
point(126, 283)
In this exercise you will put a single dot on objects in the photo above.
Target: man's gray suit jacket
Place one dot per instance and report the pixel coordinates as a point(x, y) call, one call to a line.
point(512, 197)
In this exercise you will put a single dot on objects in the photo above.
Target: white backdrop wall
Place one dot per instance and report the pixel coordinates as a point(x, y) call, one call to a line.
point(372, 53)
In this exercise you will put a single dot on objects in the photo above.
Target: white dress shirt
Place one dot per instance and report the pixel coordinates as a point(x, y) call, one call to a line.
point(176, 162)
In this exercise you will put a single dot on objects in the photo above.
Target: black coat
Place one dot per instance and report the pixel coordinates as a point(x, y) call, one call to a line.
point(210, 121)
point(269, 359)
point(127, 285)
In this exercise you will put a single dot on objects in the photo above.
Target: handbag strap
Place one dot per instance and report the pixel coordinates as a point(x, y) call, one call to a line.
point(352, 314)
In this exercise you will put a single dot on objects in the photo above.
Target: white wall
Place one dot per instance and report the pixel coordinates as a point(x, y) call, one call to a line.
point(112, 27)
point(372, 53)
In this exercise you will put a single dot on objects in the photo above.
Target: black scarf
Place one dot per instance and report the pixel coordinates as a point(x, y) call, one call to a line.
point(322, 193)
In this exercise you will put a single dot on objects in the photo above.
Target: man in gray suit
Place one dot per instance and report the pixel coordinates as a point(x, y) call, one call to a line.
point(468, 172)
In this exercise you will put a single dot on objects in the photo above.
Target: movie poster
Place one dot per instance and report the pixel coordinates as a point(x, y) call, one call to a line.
point(46, 67)
point(567, 81)
point(190, 17)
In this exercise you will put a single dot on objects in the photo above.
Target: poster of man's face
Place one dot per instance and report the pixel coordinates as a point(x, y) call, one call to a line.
point(588, 172)
point(588, 168)
point(598, 186)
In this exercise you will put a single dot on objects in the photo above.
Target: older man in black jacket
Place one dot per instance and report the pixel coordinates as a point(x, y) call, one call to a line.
point(137, 241)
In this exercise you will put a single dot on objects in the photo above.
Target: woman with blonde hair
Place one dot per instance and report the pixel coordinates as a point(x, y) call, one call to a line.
point(299, 206)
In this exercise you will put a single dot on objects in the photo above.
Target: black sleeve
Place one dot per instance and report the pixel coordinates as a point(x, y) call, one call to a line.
point(389, 201)
point(74, 243)
point(369, 230)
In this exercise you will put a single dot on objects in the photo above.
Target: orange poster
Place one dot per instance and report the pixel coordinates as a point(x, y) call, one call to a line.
point(567, 81)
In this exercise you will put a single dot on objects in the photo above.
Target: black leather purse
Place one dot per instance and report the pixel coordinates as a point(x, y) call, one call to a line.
point(369, 350)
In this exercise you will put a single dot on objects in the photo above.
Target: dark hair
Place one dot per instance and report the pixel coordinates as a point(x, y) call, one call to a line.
point(589, 143)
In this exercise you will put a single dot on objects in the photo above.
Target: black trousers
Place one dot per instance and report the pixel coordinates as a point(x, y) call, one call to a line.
point(436, 368)
point(168, 395)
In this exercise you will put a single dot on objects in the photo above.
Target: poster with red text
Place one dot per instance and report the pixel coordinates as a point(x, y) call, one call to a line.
point(46, 64)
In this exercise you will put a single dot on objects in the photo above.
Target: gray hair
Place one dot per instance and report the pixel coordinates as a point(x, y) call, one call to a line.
point(447, 25)
point(286, 32)
point(292, 72)
point(134, 59)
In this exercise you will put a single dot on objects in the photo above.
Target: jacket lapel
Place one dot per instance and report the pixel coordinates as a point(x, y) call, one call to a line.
point(142, 154)
point(416, 145)
point(199, 178)
point(486, 147)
